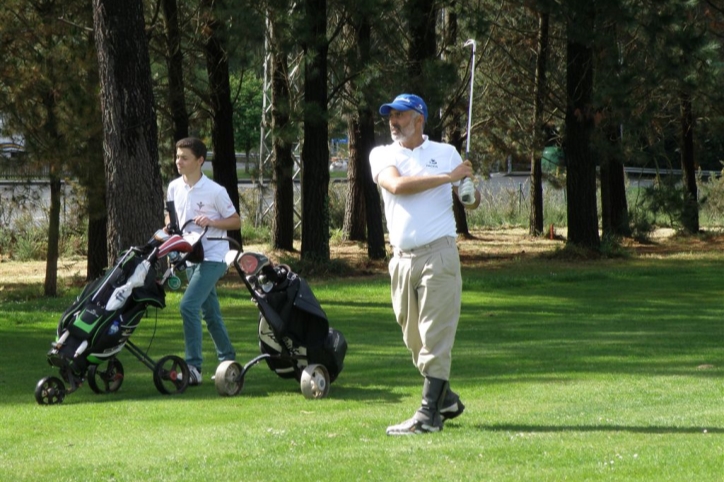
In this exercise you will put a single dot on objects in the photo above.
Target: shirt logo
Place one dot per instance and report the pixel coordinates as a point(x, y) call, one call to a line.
point(200, 205)
point(432, 163)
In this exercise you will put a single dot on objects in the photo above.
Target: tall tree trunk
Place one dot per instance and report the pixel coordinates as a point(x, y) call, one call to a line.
point(373, 206)
point(174, 61)
point(133, 179)
point(95, 183)
point(97, 248)
point(222, 129)
point(50, 131)
point(422, 19)
point(50, 286)
point(283, 214)
point(92, 177)
point(363, 205)
point(315, 152)
point(614, 207)
point(690, 214)
point(363, 209)
point(580, 165)
point(535, 227)
point(354, 223)
point(353, 228)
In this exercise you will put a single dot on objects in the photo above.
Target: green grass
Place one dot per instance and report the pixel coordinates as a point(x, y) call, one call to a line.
point(595, 371)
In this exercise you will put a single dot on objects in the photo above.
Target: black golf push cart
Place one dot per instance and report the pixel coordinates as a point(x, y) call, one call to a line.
point(295, 339)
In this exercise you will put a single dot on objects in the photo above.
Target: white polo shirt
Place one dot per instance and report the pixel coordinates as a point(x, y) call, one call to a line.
point(414, 220)
point(203, 198)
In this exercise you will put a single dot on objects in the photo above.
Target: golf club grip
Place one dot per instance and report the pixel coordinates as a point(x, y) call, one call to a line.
point(466, 191)
point(173, 227)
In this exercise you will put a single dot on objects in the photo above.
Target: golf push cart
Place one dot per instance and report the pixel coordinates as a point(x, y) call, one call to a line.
point(98, 325)
point(295, 339)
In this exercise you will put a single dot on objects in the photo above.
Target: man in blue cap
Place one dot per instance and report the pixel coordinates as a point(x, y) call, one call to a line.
point(418, 178)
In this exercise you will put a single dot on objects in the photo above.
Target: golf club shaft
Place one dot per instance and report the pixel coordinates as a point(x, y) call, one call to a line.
point(470, 100)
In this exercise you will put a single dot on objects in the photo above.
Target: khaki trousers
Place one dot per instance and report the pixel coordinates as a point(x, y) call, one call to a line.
point(426, 288)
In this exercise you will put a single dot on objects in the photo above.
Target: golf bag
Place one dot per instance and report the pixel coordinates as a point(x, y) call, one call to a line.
point(98, 325)
point(295, 338)
point(100, 321)
point(292, 322)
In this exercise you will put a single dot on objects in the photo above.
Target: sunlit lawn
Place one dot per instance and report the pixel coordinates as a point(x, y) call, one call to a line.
point(609, 370)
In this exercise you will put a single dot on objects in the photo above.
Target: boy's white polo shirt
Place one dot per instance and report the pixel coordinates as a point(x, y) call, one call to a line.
point(205, 198)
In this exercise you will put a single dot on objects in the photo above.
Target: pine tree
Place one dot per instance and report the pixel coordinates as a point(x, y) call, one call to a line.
point(130, 146)
point(580, 119)
point(315, 151)
point(47, 96)
point(283, 128)
point(222, 115)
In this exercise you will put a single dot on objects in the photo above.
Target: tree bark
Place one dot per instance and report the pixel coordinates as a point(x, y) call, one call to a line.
point(222, 129)
point(283, 160)
point(133, 179)
point(315, 152)
point(94, 181)
point(580, 115)
point(422, 20)
point(614, 207)
point(50, 286)
point(535, 227)
point(363, 210)
point(373, 206)
point(174, 62)
point(353, 228)
point(50, 131)
point(690, 214)
point(354, 225)
point(97, 248)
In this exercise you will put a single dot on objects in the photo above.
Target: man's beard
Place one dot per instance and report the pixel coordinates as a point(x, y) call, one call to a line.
point(403, 133)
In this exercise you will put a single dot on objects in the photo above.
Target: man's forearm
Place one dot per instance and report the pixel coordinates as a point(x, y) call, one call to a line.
point(413, 184)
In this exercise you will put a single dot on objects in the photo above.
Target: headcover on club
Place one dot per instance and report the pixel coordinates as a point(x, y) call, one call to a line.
point(251, 263)
point(174, 243)
point(230, 257)
point(196, 253)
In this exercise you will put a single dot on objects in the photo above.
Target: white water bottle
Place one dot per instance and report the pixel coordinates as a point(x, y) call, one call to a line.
point(467, 191)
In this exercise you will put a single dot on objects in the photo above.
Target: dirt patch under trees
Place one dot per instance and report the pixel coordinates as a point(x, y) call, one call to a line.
point(484, 247)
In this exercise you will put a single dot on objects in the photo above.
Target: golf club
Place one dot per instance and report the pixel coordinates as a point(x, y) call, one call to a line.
point(470, 100)
point(467, 189)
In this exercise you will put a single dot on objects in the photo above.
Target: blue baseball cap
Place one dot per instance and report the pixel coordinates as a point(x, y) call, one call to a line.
point(406, 102)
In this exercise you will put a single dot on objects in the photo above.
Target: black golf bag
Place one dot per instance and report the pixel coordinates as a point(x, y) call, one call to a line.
point(89, 332)
point(98, 325)
point(295, 338)
point(292, 322)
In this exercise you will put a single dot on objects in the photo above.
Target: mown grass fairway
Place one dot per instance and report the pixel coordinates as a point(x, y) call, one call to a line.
point(605, 370)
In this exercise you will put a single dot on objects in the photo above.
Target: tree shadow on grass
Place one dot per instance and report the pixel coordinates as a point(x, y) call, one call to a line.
point(596, 428)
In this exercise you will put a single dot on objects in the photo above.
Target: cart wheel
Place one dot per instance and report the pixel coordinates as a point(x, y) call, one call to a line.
point(110, 379)
point(171, 375)
point(228, 379)
point(49, 391)
point(315, 381)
